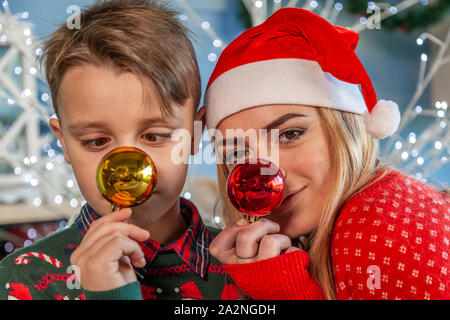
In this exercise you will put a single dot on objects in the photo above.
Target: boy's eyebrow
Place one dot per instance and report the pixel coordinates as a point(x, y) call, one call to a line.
point(80, 126)
point(74, 127)
point(144, 123)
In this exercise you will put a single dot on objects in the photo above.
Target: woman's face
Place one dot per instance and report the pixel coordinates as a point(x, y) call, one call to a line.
point(303, 157)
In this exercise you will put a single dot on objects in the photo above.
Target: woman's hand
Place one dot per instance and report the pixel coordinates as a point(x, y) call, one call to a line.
point(244, 243)
point(108, 252)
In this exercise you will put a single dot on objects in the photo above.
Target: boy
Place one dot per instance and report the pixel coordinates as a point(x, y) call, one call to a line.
point(127, 77)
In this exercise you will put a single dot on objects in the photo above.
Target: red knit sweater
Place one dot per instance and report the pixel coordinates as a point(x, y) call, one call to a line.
point(390, 241)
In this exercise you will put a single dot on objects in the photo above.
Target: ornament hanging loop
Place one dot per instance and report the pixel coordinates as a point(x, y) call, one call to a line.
point(251, 219)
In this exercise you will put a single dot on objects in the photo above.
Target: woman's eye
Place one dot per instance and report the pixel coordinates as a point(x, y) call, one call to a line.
point(95, 143)
point(290, 135)
point(236, 155)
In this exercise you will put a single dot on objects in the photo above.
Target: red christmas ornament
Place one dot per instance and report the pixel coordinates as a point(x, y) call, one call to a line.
point(256, 188)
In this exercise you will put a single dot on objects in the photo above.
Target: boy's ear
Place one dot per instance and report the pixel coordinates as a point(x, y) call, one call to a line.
point(199, 117)
point(55, 125)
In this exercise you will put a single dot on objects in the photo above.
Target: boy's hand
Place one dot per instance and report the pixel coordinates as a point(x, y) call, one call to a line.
point(109, 251)
point(245, 243)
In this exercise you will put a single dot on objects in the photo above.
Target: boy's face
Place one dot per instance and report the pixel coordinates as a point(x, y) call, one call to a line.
point(100, 110)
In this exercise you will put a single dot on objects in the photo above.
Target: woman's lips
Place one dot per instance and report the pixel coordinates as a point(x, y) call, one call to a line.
point(289, 200)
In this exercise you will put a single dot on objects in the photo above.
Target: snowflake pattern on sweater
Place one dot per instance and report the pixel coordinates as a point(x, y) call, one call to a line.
point(391, 241)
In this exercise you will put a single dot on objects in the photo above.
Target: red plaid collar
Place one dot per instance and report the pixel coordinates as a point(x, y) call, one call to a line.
point(192, 246)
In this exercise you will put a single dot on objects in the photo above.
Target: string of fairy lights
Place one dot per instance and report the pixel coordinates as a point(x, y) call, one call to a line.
point(32, 157)
point(423, 152)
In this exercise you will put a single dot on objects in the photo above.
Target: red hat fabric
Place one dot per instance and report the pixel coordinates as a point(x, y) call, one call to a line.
point(296, 57)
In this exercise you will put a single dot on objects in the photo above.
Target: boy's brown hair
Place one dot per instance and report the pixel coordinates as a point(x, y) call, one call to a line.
point(139, 36)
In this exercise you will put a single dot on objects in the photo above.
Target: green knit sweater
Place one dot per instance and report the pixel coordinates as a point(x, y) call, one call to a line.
point(43, 271)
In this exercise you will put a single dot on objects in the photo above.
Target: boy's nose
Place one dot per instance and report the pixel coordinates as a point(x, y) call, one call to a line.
point(127, 141)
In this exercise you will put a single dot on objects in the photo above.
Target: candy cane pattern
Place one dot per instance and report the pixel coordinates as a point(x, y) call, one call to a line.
point(23, 259)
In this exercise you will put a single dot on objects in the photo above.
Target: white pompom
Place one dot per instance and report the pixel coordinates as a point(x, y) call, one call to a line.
point(383, 120)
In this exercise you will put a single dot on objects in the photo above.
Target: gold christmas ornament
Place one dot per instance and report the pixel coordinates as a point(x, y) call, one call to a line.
point(126, 177)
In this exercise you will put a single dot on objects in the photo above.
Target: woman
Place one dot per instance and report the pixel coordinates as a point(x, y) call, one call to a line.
point(374, 233)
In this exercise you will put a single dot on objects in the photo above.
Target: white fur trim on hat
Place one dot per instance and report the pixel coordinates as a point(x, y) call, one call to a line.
point(383, 120)
point(279, 81)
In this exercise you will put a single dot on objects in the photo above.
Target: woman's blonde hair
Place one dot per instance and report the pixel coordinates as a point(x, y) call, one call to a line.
point(353, 158)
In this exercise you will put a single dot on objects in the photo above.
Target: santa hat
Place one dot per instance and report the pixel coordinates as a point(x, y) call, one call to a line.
point(296, 57)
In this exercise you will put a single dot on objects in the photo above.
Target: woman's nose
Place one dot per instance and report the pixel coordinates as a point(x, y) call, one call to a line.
point(283, 172)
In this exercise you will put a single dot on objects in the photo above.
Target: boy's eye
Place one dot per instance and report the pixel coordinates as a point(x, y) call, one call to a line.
point(156, 137)
point(95, 143)
point(290, 135)
point(150, 137)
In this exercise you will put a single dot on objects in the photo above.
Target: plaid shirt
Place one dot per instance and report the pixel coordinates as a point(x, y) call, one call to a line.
point(192, 246)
